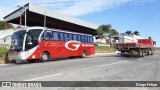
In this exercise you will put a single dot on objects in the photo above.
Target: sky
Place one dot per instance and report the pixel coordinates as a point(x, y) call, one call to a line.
point(123, 15)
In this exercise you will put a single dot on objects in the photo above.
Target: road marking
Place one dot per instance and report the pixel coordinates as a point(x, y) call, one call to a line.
point(112, 64)
point(58, 74)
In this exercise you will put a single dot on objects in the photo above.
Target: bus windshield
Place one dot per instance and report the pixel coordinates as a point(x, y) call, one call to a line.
point(32, 38)
point(17, 41)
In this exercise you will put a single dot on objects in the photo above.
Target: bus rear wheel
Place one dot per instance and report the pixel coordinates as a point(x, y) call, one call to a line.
point(45, 57)
point(83, 54)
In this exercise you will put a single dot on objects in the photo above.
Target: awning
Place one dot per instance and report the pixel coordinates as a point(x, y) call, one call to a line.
point(35, 17)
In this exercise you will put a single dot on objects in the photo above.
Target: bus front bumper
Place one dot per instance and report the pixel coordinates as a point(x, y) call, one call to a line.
point(20, 56)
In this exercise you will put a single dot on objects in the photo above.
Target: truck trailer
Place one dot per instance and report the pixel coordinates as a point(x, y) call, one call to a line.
point(139, 49)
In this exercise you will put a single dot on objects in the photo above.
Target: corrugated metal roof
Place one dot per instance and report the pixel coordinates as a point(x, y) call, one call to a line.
point(49, 13)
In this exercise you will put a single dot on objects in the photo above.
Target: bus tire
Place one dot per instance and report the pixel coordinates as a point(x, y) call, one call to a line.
point(45, 57)
point(83, 54)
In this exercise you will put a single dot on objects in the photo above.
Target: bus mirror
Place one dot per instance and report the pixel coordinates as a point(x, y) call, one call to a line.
point(4, 39)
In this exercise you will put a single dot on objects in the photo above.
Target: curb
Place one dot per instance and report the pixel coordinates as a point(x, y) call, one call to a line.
point(105, 53)
point(3, 64)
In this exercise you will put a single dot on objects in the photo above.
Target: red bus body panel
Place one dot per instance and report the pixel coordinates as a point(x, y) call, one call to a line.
point(62, 49)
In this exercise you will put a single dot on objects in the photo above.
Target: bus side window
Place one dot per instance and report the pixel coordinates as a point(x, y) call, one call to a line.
point(61, 36)
point(82, 38)
point(88, 39)
point(55, 35)
point(66, 37)
point(70, 37)
point(75, 37)
point(79, 38)
point(85, 38)
point(48, 35)
point(91, 39)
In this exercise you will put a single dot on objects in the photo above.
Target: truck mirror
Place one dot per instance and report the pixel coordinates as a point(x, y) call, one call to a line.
point(154, 42)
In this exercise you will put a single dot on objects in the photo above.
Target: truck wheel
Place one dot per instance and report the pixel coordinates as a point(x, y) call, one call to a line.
point(45, 57)
point(140, 53)
point(152, 52)
point(148, 53)
point(143, 53)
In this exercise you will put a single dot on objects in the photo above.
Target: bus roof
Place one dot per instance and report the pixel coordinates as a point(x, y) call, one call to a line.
point(52, 29)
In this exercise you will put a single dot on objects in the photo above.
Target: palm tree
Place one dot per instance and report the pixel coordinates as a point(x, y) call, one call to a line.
point(128, 32)
point(136, 33)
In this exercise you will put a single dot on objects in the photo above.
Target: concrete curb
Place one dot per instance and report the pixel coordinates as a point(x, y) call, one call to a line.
point(3, 64)
point(105, 53)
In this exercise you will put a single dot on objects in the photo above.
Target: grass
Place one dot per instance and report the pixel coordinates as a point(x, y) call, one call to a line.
point(104, 49)
point(3, 52)
point(157, 48)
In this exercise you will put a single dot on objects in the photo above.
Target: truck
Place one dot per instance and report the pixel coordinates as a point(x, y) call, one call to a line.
point(139, 48)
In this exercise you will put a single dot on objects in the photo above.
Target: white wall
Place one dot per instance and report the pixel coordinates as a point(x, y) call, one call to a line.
point(4, 33)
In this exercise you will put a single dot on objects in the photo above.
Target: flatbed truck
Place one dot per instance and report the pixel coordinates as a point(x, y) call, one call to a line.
point(139, 49)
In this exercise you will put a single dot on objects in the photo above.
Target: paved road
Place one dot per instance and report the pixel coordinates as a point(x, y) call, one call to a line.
point(100, 67)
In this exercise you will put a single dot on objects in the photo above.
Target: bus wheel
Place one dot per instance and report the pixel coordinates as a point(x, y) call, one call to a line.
point(83, 54)
point(45, 57)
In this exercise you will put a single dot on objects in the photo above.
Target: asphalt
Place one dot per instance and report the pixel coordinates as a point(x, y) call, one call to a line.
point(99, 67)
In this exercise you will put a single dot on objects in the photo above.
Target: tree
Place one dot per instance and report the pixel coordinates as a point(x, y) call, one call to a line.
point(4, 25)
point(136, 33)
point(114, 32)
point(128, 32)
point(103, 29)
point(107, 29)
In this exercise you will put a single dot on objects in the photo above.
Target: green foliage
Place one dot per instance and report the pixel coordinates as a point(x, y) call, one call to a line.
point(3, 50)
point(105, 49)
point(130, 32)
point(136, 33)
point(4, 25)
point(157, 48)
point(107, 29)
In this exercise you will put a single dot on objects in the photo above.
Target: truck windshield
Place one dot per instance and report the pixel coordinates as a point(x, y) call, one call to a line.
point(17, 41)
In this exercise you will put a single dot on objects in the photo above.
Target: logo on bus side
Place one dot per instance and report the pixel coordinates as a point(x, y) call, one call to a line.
point(72, 45)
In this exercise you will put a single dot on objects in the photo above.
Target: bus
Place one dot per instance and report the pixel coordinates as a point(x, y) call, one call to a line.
point(44, 44)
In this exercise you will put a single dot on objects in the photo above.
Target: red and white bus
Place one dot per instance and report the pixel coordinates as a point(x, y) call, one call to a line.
point(39, 43)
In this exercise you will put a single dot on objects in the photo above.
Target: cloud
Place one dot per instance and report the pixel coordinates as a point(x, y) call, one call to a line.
point(82, 7)
point(69, 7)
